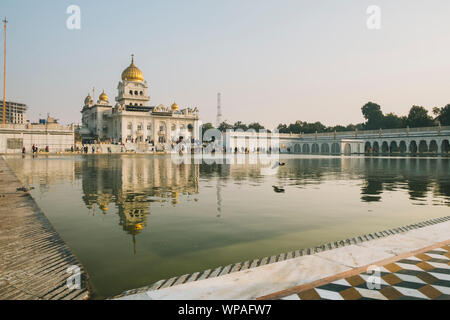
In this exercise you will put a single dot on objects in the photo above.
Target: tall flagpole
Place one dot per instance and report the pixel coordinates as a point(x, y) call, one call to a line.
point(4, 77)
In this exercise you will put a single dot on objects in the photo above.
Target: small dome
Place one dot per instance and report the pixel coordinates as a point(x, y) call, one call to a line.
point(88, 100)
point(132, 73)
point(174, 107)
point(103, 97)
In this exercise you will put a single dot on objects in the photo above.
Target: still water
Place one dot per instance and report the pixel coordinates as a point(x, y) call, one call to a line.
point(136, 219)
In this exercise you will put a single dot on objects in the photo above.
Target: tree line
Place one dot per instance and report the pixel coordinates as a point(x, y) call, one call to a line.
point(375, 119)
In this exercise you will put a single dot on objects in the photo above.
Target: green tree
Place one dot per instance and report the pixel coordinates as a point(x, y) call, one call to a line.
point(256, 126)
point(240, 125)
point(282, 128)
point(418, 117)
point(206, 127)
point(224, 126)
point(374, 116)
point(392, 121)
point(443, 116)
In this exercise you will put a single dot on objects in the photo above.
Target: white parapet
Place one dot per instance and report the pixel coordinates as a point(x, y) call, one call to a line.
point(14, 137)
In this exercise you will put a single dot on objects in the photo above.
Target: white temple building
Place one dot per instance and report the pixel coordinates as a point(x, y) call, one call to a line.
point(133, 120)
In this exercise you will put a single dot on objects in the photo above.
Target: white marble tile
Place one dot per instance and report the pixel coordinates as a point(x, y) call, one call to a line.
point(444, 290)
point(414, 259)
point(439, 265)
point(440, 276)
point(410, 292)
point(397, 244)
point(139, 296)
point(437, 256)
point(355, 256)
point(435, 233)
point(373, 294)
point(440, 250)
point(409, 278)
point(342, 282)
point(292, 297)
point(409, 266)
point(254, 283)
point(330, 295)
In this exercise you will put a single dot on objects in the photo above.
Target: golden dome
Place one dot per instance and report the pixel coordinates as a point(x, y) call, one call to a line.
point(103, 97)
point(132, 73)
point(88, 100)
point(174, 106)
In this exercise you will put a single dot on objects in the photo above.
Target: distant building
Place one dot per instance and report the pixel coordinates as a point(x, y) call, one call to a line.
point(131, 119)
point(15, 137)
point(48, 120)
point(15, 112)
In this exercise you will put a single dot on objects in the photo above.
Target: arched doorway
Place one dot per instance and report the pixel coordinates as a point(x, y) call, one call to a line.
point(325, 148)
point(413, 147)
point(305, 148)
point(385, 147)
point(445, 147)
point(394, 147)
point(335, 148)
point(376, 147)
point(403, 147)
point(315, 148)
point(367, 147)
point(433, 146)
point(297, 148)
point(348, 149)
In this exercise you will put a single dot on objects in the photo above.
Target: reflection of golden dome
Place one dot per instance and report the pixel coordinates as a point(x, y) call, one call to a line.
point(174, 198)
point(132, 73)
point(103, 97)
point(174, 106)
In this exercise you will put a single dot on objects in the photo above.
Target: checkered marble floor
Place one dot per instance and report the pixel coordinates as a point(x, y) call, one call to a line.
point(423, 276)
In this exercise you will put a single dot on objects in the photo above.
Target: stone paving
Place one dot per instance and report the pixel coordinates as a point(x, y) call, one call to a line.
point(34, 260)
point(420, 276)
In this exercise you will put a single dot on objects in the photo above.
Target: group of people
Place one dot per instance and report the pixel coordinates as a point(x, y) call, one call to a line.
point(94, 149)
point(34, 150)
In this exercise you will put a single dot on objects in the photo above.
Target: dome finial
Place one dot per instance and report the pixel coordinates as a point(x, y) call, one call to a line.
point(132, 73)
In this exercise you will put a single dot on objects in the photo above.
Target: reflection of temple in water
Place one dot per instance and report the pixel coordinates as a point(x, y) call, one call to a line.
point(133, 183)
point(420, 177)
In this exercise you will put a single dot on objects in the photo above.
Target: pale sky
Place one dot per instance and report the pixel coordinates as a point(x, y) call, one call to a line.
point(273, 61)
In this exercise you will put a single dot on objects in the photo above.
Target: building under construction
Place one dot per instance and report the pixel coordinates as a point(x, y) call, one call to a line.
point(15, 112)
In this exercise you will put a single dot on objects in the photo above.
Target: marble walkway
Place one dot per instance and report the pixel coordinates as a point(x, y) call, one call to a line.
point(289, 277)
point(424, 275)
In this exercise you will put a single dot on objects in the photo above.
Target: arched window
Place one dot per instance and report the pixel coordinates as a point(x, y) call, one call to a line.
point(136, 93)
point(131, 92)
point(141, 93)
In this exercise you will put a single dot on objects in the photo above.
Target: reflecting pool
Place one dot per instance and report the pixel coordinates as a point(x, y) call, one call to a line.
point(136, 219)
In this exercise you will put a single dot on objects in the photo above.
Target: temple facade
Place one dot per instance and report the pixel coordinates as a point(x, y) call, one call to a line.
point(132, 120)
